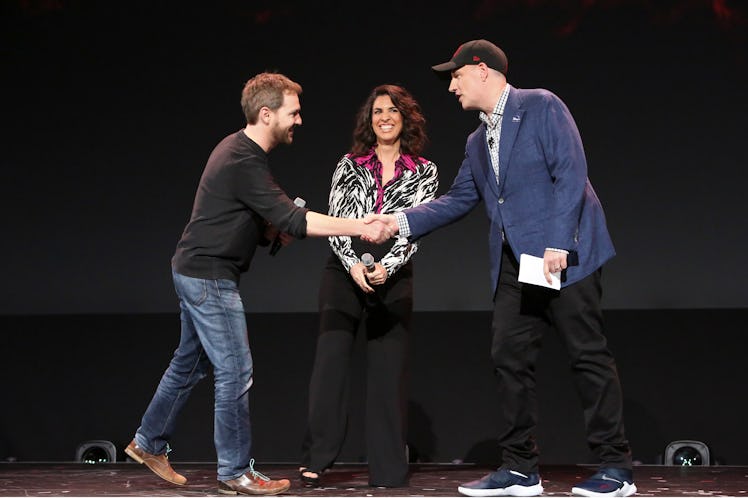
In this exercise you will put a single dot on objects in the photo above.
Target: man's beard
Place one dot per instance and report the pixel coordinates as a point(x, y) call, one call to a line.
point(283, 135)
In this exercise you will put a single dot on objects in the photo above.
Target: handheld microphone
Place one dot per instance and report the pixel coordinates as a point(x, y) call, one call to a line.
point(277, 244)
point(368, 261)
point(372, 299)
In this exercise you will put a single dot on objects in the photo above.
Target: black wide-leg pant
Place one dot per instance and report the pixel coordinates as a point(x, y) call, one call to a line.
point(522, 313)
point(386, 321)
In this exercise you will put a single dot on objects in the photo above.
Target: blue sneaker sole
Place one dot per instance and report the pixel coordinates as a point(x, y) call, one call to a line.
point(515, 490)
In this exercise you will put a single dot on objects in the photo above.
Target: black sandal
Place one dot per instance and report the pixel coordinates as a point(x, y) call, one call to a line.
point(309, 481)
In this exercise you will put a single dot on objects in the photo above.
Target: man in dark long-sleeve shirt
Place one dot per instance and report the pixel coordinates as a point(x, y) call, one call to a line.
point(237, 205)
point(222, 235)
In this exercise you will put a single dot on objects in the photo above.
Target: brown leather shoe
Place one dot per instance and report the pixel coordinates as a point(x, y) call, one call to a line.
point(253, 483)
point(159, 464)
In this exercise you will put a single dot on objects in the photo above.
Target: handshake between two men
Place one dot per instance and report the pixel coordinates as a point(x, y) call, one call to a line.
point(379, 227)
point(374, 228)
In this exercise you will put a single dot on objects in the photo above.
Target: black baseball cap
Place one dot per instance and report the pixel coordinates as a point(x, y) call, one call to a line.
point(475, 52)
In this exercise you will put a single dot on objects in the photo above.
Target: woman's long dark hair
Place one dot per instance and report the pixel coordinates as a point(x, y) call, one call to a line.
point(413, 137)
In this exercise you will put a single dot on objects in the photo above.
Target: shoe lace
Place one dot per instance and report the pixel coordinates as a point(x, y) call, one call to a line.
point(256, 474)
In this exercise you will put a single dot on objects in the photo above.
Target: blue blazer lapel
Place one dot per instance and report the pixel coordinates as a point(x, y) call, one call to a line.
point(510, 122)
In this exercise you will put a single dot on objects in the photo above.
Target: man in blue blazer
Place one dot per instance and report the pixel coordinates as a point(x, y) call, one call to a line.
point(526, 162)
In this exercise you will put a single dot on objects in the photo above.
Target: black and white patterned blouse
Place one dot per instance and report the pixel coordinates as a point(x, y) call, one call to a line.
point(357, 191)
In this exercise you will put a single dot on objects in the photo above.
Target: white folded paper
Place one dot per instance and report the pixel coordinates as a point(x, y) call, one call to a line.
point(531, 272)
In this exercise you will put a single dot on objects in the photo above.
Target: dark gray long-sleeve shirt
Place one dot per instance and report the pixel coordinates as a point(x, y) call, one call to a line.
point(236, 197)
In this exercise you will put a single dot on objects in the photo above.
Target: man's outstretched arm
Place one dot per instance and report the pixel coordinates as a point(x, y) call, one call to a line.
point(321, 225)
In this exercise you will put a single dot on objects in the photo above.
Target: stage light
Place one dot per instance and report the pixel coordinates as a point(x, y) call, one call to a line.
point(685, 453)
point(97, 451)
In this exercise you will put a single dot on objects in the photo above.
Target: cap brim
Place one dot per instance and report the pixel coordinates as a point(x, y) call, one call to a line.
point(447, 66)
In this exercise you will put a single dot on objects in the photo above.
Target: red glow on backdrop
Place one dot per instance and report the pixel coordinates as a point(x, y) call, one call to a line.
point(572, 13)
point(728, 14)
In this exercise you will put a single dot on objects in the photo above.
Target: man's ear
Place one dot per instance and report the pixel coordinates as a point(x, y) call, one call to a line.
point(266, 115)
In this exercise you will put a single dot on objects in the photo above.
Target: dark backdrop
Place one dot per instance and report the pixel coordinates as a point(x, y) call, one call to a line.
point(75, 378)
point(110, 110)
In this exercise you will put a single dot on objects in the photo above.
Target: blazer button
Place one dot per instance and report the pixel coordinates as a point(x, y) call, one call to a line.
point(501, 200)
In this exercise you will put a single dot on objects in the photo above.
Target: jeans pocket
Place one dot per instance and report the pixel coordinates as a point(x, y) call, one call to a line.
point(192, 290)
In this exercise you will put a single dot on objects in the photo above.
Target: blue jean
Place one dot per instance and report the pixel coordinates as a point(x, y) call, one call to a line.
point(214, 333)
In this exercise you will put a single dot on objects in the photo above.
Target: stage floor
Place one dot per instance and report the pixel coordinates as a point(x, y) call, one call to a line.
point(131, 479)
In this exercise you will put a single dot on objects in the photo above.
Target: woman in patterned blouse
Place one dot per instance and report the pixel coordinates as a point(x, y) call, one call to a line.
point(383, 173)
